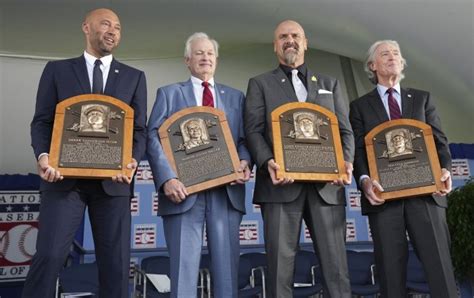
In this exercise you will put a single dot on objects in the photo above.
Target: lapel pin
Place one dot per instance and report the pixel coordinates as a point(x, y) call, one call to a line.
point(409, 95)
point(222, 91)
point(283, 80)
point(116, 71)
point(313, 78)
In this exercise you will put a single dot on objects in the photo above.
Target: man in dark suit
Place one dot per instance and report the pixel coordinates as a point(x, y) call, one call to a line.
point(63, 201)
point(284, 203)
point(424, 216)
point(220, 208)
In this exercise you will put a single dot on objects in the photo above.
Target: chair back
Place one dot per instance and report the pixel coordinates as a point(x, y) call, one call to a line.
point(156, 265)
point(304, 260)
point(415, 271)
point(359, 264)
point(80, 278)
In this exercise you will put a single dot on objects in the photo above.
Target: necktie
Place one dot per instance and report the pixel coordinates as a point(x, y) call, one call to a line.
point(300, 89)
point(97, 79)
point(393, 106)
point(207, 99)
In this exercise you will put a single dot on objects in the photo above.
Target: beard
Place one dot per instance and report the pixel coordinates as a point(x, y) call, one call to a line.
point(291, 55)
point(290, 58)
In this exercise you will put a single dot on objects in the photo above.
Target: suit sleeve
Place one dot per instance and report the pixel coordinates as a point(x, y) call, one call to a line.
point(160, 167)
point(345, 130)
point(139, 105)
point(41, 127)
point(255, 124)
point(360, 159)
point(242, 150)
point(441, 141)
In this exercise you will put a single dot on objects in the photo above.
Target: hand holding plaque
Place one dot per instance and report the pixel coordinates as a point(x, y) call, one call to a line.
point(307, 144)
point(199, 147)
point(402, 157)
point(92, 138)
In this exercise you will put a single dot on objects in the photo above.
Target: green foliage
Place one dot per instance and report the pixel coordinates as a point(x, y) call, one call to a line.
point(460, 217)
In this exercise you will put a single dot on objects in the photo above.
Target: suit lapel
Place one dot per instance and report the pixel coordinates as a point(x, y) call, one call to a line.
point(285, 84)
point(312, 86)
point(112, 78)
point(407, 103)
point(376, 103)
point(220, 100)
point(188, 93)
point(80, 69)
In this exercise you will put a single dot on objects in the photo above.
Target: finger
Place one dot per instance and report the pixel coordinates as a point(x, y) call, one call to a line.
point(57, 175)
point(49, 174)
point(181, 194)
point(377, 185)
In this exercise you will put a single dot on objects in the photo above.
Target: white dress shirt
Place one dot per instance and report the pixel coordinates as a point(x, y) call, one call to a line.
point(198, 89)
point(105, 67)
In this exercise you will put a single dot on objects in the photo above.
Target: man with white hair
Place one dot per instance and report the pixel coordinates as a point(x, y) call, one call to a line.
point(220, 208)
point(422, 217)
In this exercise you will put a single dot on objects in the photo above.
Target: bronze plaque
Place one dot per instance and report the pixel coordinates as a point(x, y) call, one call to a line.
point(306, 143)
point(92, 137)
point(198, 144)
point(402, 156)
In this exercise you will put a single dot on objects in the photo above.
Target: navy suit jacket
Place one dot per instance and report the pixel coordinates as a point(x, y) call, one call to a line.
point(173, 98)
point(368, 111)
point(66, 78)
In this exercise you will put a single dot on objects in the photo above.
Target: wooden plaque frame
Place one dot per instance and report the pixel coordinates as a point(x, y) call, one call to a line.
point(339, 171)
point(59, 130)
point(431, 153)
point(165, 134)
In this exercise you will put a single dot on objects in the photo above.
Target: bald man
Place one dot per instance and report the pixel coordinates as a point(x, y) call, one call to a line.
point(285, 202)
point(63, 201)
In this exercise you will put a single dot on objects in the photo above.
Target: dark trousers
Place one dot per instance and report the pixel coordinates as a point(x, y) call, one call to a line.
point(327, 226)
point(60, 216)
point(426, 225)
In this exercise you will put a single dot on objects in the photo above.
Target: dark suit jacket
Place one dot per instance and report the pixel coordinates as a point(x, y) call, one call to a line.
point(368, 111)
point(66, 78)
point(267, 92)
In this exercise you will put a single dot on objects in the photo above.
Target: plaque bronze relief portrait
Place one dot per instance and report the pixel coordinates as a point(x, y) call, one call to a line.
point(306, 142)
point(92, 137)
point(402, 157)
point(198, 144)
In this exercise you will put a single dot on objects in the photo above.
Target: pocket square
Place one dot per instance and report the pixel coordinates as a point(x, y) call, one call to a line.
point(322, 91)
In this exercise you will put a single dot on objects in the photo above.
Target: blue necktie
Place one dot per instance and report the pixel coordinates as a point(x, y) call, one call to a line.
point(97, 79)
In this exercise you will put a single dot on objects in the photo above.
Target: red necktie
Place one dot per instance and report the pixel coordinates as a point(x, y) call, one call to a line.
point(393, 106)
point(207, 99)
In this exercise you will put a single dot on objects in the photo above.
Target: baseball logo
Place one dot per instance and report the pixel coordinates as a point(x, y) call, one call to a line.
point(145, 238)
point(248, 234)
point(146, 175)
point(17, 245)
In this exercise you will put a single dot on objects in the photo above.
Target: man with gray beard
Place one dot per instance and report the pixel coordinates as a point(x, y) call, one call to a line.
point(285, 203)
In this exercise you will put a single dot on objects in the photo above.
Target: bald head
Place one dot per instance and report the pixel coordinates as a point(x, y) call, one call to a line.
point(290, 43)
point(102, 30)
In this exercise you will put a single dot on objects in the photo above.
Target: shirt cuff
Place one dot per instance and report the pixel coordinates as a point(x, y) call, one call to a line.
point(44, 153)
point(362, 177)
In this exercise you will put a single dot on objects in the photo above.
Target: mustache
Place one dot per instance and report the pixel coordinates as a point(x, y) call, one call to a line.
point(291, 45)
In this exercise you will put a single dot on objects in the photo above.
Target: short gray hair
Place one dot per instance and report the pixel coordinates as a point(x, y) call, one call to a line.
point(371, 57)
point(199, 35)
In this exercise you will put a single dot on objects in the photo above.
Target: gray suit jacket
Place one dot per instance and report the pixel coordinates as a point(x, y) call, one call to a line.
point(267, 92)
point(173, 98)
point(368, 111)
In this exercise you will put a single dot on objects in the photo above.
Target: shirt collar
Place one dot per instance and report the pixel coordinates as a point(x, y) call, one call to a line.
point(197, 81)
point(106, 60)
point(383, 89)
point(287, 69)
